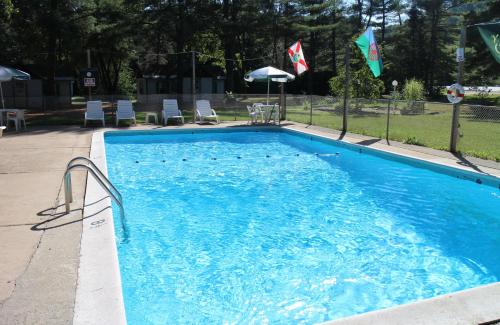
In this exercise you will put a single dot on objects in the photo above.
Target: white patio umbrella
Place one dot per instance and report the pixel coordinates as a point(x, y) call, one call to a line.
point(269, 74)
point(7, 74)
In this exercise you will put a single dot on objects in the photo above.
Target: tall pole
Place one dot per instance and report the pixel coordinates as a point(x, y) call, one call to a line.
point(193, 84)
point(1, 93)
point(267, 101)
point(456, 107)
point(282, 102)
point(387, 125)
point(89, 66)
point(311, 110)
point(394, 85)
point(346, 85)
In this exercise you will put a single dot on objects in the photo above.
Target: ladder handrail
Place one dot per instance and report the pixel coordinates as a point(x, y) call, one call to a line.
point(98, 171)
point(100, 178)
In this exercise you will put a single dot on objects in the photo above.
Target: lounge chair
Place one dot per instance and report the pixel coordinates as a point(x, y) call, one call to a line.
point(171, 111)
point(94, 112)
point(125, 111)
point(204, 111)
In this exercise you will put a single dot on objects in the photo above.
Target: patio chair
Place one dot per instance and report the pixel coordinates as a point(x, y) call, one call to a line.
point(94, 112)
point(17, 118)
point(171, 111)
point(205, 111)
point(125, 111)
point(254, 112)
point(273, 113)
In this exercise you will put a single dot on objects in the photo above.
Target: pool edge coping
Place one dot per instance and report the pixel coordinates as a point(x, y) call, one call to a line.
point(479, 305)
point(458, 307)
point(99, 297)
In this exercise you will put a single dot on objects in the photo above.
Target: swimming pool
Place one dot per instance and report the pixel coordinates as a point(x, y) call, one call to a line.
point(278, 227)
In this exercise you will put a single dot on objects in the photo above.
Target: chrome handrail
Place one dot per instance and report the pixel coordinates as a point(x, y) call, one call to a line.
point(97, 170)
point(100, 178)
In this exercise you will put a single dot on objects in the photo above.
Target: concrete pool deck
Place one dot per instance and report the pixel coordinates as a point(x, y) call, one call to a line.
point(40, 245)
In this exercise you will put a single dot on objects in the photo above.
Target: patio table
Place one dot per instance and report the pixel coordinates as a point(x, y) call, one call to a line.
point(150, 115)
point(268, 110)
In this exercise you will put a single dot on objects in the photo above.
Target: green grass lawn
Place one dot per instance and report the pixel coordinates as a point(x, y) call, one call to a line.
point(479, 138)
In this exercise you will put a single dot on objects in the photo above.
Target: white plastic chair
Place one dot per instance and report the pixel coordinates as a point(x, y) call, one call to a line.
point(205, 111)
point(274, 112)
point(125, 111)
point(94, 112)
point(254, 112)
point(258, 108)
point(171, 111)
point(18, 118)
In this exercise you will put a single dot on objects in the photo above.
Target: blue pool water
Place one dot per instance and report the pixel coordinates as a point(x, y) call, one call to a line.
point(273, 227)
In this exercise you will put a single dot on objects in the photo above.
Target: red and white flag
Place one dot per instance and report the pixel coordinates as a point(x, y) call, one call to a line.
point(297, 57)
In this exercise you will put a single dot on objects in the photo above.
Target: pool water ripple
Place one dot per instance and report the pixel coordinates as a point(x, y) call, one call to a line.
point(296, 237)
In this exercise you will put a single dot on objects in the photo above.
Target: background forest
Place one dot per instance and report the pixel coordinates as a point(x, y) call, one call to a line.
point(132, 38)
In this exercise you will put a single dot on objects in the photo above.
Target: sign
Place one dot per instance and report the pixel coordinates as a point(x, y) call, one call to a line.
point(89, 82)
point(89, 77)
point(460, 54)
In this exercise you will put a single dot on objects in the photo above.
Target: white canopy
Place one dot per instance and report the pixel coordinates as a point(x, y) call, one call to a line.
point(269, 74)
point(7, 74)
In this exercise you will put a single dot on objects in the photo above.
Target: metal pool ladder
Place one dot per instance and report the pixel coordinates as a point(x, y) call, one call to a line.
point(99, 177)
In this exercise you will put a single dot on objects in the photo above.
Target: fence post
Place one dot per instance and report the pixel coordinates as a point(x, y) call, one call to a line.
point(456, 107)
point(311, 110)
point(387, 126)
point(193, 83)
point(346, 86)
point(283, 108)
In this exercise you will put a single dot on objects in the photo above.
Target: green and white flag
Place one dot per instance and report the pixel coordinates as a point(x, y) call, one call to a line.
point(368, 46)
point(491, 36)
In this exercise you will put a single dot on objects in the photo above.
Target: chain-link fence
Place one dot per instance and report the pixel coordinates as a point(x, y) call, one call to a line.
point(326, 111)
point(420, 123)
point(480, 131)
point(417, 122)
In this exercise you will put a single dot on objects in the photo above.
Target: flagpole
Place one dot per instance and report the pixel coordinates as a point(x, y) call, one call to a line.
point(346, 86)
point(456, 107)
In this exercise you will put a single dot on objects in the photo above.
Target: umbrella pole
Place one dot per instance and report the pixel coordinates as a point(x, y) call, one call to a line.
point(1, 93)
point(267, 90)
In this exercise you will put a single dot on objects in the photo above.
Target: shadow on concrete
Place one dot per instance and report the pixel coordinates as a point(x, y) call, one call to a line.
point(368, 142)
point(56, 216)
point(44, 129)
point(255, 125)
point(465, 162)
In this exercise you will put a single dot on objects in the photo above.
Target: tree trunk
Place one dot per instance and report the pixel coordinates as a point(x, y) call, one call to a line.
point(179, 46)
point(360, 13)
point(333, 44)
point(384, 9)
point(51, 49)
point(435, 17)
point(370, 13)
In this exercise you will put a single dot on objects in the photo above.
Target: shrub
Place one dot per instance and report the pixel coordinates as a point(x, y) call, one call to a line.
point(126, 82)
point(413, 90)
point(362, 84)
point(413, 140)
